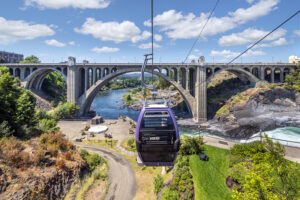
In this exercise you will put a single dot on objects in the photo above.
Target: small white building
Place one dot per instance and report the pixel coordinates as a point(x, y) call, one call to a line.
point(294, 59)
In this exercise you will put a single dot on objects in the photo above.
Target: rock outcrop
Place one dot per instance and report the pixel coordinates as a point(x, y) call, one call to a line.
point(257, 110)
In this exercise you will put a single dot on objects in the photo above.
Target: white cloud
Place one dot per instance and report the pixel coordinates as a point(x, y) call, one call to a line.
point(55, 43)
point(193, 57)
point(112, 31)
point(58, 4)
point(157, 37)
point(72, 43)
point(250, 1)
point(105, 50)
point(275, 43)
point(297, 32)
point(172, 22)
point(145, 35)
point(12, 31)
point(229, 54)
point(149, 45)
point(249, 35)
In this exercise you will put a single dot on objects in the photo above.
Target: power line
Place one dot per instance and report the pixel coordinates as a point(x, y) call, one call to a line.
point(210, 15)
point(264, 37)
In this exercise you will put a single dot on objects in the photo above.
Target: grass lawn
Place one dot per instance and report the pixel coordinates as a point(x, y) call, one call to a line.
point(209, 177)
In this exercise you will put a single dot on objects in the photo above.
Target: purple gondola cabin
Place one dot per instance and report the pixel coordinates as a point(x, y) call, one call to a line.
point(157, 136)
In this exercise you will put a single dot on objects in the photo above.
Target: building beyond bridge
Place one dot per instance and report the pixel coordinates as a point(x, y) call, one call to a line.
point(11, 57)
point(84, 80)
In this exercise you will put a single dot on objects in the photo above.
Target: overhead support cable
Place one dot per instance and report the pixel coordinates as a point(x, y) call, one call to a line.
point(288, 19)
point(210, 15)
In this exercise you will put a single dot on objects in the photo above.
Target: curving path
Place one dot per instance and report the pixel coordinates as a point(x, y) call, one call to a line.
point(121, 175)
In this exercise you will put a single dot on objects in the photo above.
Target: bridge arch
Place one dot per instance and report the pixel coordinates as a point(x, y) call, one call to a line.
point(36, 78)
point(86, 99)
point(241, 73)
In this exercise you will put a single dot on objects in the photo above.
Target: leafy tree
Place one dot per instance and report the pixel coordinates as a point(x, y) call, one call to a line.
point(191, 145)
point(128, 98)
point(2, 60)
point(265, 174)
point(292, 80)
point(162, 83)
point(56, 87)
point(64, 111)
point(31, 59)
point(16, 106)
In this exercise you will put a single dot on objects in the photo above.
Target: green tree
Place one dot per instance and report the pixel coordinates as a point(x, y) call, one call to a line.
point(31, 59)
point(56, 87)
point(292, 80)
point(267, 175)
point(16, 106)
point(128, 98)
point(2, 60)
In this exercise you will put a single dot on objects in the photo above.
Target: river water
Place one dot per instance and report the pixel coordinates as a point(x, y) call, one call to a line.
point(109, 105)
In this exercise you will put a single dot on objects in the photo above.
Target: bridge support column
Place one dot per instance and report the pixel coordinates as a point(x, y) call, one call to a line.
point(177, 76)
point(94, 75)
point(272, 75)
point(22, 74)
point(86, 79)
point(281, 76)
point(200, 110)
point(187, 83)
point(262, 73)
point(72, 81)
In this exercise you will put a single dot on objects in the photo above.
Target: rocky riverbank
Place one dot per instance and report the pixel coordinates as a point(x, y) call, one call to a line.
point(255, 110)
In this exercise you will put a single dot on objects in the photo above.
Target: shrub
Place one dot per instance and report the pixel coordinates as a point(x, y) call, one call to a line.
point(65, 110)
point(38, 157)
point(130, 142)
point(55, 141)
point(19, 159)
point(68, 155)
point(158, 183)
point(61, 164)
point(169, 194)
point(190, 186)
point(182, 188)
point(5, 129)
point(224, 110)
point(239, 171)
point(47, 126)
point(272, 86)
point(191, 145)
point(93, 160)
point(131, 131)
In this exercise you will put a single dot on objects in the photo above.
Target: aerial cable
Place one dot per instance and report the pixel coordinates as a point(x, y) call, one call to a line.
point(152, 30)
point(264, 37)
point(210, 15)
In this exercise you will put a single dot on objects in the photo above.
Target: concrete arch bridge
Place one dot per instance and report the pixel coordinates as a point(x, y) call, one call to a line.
point(84, 80)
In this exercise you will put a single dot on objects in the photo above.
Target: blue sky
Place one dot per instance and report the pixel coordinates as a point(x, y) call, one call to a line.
point(118, 30)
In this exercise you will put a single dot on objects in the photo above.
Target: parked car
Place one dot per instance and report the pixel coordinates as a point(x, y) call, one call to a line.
point(203, 157)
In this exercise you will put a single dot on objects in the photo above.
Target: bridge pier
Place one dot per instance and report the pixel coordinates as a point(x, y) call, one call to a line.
point(72, 81)
point(200, 110)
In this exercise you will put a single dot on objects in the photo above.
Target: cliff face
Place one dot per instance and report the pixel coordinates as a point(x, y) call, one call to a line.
point(29, 171)
point(47, 183)
point(256, 110)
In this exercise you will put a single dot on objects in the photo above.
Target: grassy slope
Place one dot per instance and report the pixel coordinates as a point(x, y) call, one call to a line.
point(209, 177)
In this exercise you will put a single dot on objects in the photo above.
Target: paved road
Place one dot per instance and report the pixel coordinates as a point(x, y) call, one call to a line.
point(121, 175)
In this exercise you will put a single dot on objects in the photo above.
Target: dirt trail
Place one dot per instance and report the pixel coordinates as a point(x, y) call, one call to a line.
point(121, 175)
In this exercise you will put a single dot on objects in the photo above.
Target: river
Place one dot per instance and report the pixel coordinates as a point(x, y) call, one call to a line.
point(109, 105)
